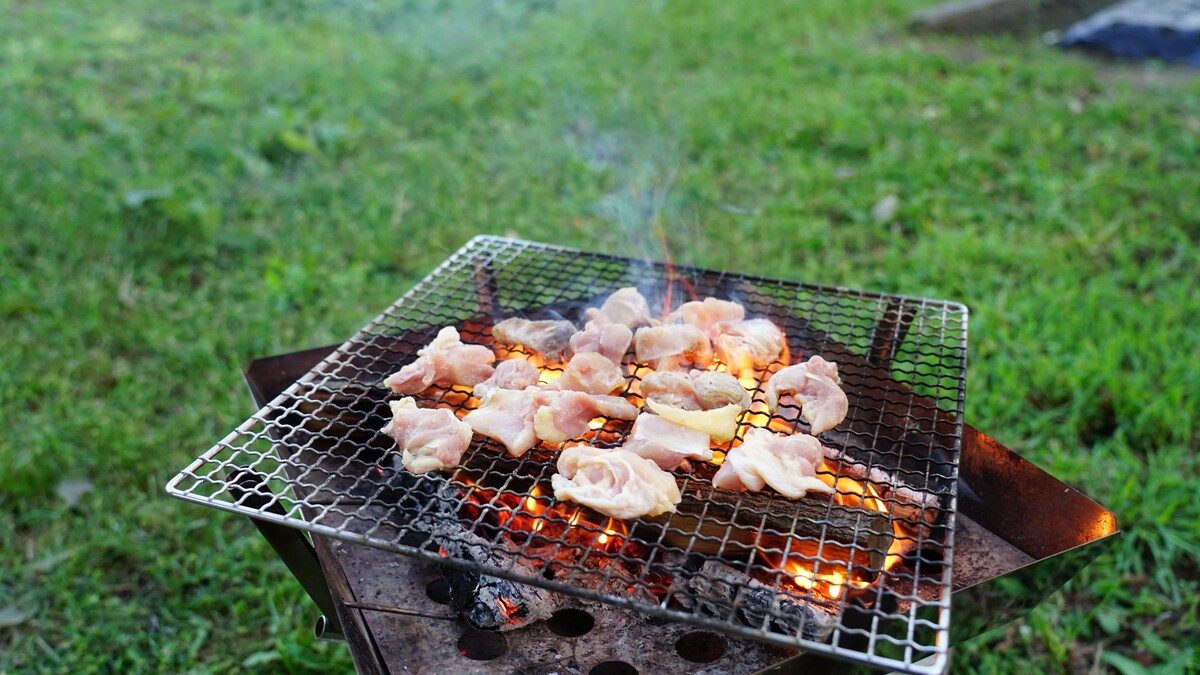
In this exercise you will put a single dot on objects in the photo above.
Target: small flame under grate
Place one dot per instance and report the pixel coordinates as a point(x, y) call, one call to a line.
point(861, 574)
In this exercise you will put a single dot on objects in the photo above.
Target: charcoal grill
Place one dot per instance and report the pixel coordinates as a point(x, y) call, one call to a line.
point(312, 458)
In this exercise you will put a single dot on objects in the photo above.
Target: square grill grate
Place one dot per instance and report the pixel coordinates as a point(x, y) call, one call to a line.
point(862, 575)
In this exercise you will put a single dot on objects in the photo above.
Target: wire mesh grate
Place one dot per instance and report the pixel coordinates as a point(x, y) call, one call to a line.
point(862, 574)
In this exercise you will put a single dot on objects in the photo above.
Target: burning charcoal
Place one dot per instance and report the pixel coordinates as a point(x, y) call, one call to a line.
point(723, 592)
point(486, 602)
point(490, 602)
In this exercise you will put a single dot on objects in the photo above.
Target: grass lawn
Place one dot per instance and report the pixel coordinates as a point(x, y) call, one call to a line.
point(185, 187)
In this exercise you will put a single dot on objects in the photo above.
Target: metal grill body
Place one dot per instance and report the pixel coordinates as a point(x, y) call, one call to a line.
point(721, 562)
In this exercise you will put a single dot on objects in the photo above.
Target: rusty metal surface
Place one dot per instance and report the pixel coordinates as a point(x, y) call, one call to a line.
point(420, 644)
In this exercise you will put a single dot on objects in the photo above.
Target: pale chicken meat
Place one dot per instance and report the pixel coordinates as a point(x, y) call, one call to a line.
point(814, 385)
point(614, 482)
point(666, 443)
point(510, 374)
point(670, 387)
point(708, 314)
point(625, 306)
point(507, 417)
point(744, 346)
point(590, 373)
point(430, 439)
point(786, 463)
point(717, 390)
point(672, 346)
point(564, 415)
point(518, 419)
point(444, 362)
point(550, 338)
point(608, 339)
point(695, 390)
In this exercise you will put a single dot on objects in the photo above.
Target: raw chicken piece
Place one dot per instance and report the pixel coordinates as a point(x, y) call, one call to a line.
point(444, 362)
point(564, 415)
point(507, 416)
point(625, 306)
point(590, 373)
point(815, 386)
point(516, 373)
point(720, 424)
point(666, 347)
point(666, 443)
point(717, 390)
point(786, 463)
point(671, 388)
point(614, 482)
point(745, 345)
point(551, 339)
point(610, 340)
point(697, 390)
point(708, 314)
point(430, 439)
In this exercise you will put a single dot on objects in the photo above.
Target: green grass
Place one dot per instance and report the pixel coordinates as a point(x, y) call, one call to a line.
point(185, 188)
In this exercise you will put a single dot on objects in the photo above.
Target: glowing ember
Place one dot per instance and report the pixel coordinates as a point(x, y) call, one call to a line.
point(509, 609)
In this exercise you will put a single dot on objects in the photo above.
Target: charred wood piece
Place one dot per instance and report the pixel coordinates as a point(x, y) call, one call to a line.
point(730, 524)
point(725, 593)
point(430, 521)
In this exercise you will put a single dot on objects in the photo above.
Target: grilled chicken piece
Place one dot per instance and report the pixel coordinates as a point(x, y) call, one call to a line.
point(519, 419)
point(564, 415)
point(814, 385)
point(717, 390)
point(430, 439)
point(695, 390)
point(515, 373)
point(671, 387)
point(625, 306)
point(745, 345)
point(614, 482)
point(666, 443)
point(444, 362)
point(507, 416)
point(786, 463)
point(708, 314)
point(600, 336)
point(590, 373)
point(551, 339)
point(672, 346)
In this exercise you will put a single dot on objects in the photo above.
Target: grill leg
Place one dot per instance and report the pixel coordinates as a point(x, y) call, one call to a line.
point(249, 488)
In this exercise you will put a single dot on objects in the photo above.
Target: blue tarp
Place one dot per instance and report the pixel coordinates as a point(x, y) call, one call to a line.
point(1140, 29)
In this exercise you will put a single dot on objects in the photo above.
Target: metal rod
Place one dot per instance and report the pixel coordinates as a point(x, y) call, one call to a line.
point(370, 606)
point(250, 489)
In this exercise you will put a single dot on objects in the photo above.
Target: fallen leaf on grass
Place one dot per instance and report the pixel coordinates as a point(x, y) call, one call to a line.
point(15, 615)
point(885, 209)
point(135, 199)
point(73, 489)
point(49, 562)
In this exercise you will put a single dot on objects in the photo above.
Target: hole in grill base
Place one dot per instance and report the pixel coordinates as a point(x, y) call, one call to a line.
point(700, 647)
point(613, 668)
point(570, 622)
point(438, 591)
point(482, 645)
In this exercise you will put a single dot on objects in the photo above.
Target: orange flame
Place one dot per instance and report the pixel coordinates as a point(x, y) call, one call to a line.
point(509, 609)
point(672, 275)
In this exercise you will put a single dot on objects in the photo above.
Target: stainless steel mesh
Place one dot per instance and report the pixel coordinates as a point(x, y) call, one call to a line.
point(834, 575)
